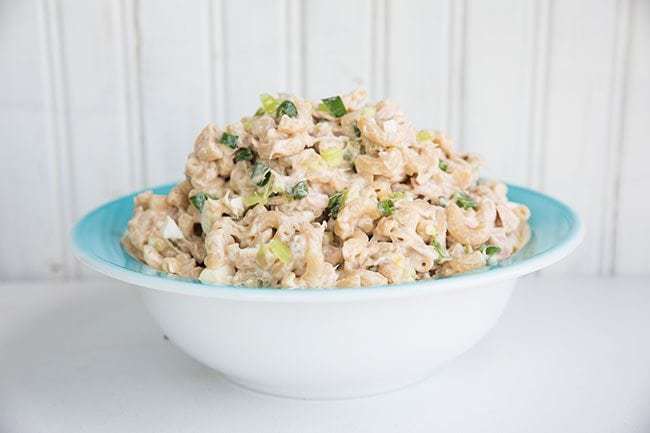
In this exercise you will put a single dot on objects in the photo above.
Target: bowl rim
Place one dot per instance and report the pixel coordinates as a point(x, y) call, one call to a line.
point(187, 286)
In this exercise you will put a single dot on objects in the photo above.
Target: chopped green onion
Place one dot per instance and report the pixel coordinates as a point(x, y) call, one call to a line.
point(351, 150)
point(439, 249)
point(443, 165)
point(368, 111)
point(260, 257)
point(333, 156)
point(243, 154)
point(424, 135)
point(199, 200)
point(335, 203)
point(386, 207)
point(280, 250)
point(256, 198)
point(261, 174)
point(357, 131)
point(464, 201)
point(260, 111)
point(491, 250)
point(229, 140)
point(334, 106)
point(299, 190)
point(269, 104)
point(248, 123)
point(286, 108)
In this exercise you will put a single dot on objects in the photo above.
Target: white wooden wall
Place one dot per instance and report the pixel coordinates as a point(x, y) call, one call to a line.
point(100, 98)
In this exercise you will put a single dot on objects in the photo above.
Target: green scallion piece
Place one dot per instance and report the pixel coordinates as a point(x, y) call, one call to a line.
point(386, 207)
point(229, 140)
point(439, 249)
point(243, 154)
point(261, 174)
point(335, 203)
point(465, 201)
point(334, 106)
point(299, 190)
point(286, 108)
point(443, 165)
point(199, 200)
point(491, 250)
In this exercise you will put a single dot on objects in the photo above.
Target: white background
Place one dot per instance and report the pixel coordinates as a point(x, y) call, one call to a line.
point(98, 98)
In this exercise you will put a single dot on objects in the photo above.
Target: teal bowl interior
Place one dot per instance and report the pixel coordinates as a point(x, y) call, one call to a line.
point(556, 231)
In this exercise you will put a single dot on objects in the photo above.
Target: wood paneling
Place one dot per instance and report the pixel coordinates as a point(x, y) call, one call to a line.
point(99, 98)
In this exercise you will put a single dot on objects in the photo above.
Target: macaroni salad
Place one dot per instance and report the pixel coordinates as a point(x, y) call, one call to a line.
point(333, 193)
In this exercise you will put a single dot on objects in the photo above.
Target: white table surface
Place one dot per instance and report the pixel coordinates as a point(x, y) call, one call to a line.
point(569, 355)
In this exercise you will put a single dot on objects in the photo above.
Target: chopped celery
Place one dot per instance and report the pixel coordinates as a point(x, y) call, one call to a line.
point(280, 250)
point(269, 104)
point(424, 135)
point(256, 198)
point(368, 111)
point(332, 156)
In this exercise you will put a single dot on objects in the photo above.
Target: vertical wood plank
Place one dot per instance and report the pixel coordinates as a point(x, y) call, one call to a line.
point(381, 33)
point(576, 141)
point(32, 246)
point(129, 82)
point(539, 26)
point(293, 40)
point(419, 61)
point(174, 39)
point(615, 138)
point(457, 25)
point(497, 82)
point(100, 154)
point(632, 251)
point(217, 106)
point(257, 63)
point(337, 46)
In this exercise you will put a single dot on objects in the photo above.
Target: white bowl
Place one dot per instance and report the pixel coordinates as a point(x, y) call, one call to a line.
point(328, 343)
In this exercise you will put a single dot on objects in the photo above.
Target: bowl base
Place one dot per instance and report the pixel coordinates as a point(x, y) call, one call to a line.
point(301, 395)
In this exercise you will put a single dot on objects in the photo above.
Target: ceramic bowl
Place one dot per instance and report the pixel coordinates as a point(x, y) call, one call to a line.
point(328, 343)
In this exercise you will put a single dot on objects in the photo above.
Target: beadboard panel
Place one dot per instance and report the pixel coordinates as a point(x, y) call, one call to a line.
point(105, 97)
point(173, 57)
point(497, 84)
point(336, 47)
point(31, 138)
point(99, 154)
point(419, 65)
point(576, 144)
point(632, 226)
point(267, 54)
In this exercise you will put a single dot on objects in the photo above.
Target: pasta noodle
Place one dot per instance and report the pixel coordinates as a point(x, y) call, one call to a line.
point(332, 193)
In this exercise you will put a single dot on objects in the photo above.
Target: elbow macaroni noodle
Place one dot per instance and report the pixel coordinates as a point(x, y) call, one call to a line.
point(315, 200)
